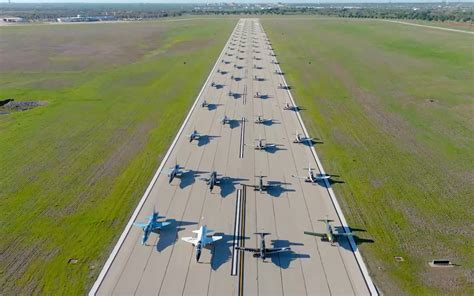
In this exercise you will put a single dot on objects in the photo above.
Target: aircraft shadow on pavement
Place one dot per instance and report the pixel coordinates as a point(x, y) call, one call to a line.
point(169, 234)
point(331, 181)
point(222, 249)
point(205, 139)
point(312, 143)
point(260, 79)
point(264, 97)
point(226, 62)
point(228, 185)
point(224, 72)
point(274, 149)
point(236, 95)
point(237, 78)
point(276, 188)
point(239, 67)
point(189, 178)
point(343, 242)
point(259, 68)
point(284, 259)
point(219, 86)
point(233, 123)
point(270, 122)
point(211, 107)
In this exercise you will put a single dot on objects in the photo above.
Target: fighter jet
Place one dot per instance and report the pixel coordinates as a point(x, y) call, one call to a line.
point(194, 136)
point(225, 120)
point(175, 171)
point(300, 138)
point(263, 252)
point(312, 178)
point(260, 120)
point(201, 240)
point(329, 235)
point(151, 226)
point(212, 180)
point(291, 107)
point(262, 146)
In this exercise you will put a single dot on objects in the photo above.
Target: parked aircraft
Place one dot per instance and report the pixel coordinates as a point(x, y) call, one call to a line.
point(175, 171)
point(201, 240)
point(329, 235)
point(312, 178)
point(204, 104)
point(194, 136)
point(263, 252)
point(291, 107)
point(225, 120)
point(301, 138)
point(260, 120)
point(151, 226)
point(260, 186)
point(262, 146)
point(212, 180)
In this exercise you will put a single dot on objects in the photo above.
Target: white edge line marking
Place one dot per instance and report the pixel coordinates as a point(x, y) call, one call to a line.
point(236, 232)
point(426, 26)
point(360, 261)
point(117, 247)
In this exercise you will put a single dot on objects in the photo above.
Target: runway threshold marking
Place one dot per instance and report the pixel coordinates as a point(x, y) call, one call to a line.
point(242, 142)
point(242, 239)
point(237, 221)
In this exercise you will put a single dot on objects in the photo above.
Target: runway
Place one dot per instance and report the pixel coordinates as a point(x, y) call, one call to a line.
point(167, 265)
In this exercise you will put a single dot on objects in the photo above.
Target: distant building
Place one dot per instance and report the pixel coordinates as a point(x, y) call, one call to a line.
point(79, 18)
point(12, 19)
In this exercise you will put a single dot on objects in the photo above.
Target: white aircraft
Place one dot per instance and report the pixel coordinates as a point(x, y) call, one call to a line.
point(262, 146)
point(312, 178)
point(291, 107)
point(201, 240)
point(300, 138)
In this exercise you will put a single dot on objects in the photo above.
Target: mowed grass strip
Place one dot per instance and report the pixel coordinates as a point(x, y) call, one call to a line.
point(393, 105)
point(72, 172)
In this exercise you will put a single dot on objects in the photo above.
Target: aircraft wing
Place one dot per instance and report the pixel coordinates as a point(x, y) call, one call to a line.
point(248, 249)
point(211, 239)
point(299, 177)
point(344, 234)
point(270, 146)
point(191, 240)
point(140, 224)
point(315, 233)
point(277, 250)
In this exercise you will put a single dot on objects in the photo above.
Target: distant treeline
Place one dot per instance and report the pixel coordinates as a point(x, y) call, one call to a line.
point(459, 12)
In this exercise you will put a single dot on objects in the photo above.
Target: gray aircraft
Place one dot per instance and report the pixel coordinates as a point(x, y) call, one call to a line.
point(151, 226)
point(329, 235)
point(263, 252)
point(175, 171)
point(194, 136)
point(212, 180)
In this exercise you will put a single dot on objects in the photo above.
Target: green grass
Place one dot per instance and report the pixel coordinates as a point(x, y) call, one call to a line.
point(72, 172)
point(393, 105)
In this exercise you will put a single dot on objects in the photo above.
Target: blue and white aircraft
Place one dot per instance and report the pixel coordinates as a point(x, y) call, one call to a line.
point(151, 226)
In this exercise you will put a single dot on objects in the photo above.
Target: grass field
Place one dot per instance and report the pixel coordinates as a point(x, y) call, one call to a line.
point(71, 172)
point(393, 105)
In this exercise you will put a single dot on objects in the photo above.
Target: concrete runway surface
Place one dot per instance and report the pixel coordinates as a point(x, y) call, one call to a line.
point(167, 265)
